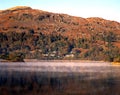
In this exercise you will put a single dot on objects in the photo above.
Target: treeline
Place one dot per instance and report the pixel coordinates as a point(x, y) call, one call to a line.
point(16, 46)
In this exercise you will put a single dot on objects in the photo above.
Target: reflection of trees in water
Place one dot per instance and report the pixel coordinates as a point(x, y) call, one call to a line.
point(35, 83)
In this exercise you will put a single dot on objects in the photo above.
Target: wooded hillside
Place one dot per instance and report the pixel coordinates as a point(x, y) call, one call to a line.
point(31, 33)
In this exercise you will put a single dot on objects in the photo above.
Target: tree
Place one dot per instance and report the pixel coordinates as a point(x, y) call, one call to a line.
point(16, 57)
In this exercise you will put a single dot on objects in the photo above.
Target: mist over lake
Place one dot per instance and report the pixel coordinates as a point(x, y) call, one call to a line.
point(63, 66)
point(59, 78)
point(59, 48)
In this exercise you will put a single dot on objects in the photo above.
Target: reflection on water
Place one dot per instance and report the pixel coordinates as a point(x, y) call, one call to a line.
point(52, 78)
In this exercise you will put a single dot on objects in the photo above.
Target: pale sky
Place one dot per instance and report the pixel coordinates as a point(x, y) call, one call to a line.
point(107, 9)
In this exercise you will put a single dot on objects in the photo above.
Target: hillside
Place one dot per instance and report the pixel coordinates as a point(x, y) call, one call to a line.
point(30, 33)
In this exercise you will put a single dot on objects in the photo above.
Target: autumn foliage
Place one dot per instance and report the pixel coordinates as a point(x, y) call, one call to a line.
point(30, 33)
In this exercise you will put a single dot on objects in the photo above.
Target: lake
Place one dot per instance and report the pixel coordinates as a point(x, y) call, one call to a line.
point(59, 78)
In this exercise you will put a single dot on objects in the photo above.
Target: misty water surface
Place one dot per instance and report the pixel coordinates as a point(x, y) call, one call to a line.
point(59, 78)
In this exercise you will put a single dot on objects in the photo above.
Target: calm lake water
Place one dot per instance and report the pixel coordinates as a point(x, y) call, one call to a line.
point(59, 78)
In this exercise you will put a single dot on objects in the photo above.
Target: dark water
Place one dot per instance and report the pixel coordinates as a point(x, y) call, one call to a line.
point(59, 80)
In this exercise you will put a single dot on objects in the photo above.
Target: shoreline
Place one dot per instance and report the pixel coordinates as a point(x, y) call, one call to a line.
point(35, 60)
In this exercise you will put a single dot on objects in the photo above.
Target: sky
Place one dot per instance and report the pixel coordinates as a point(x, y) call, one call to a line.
point(107, 9)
